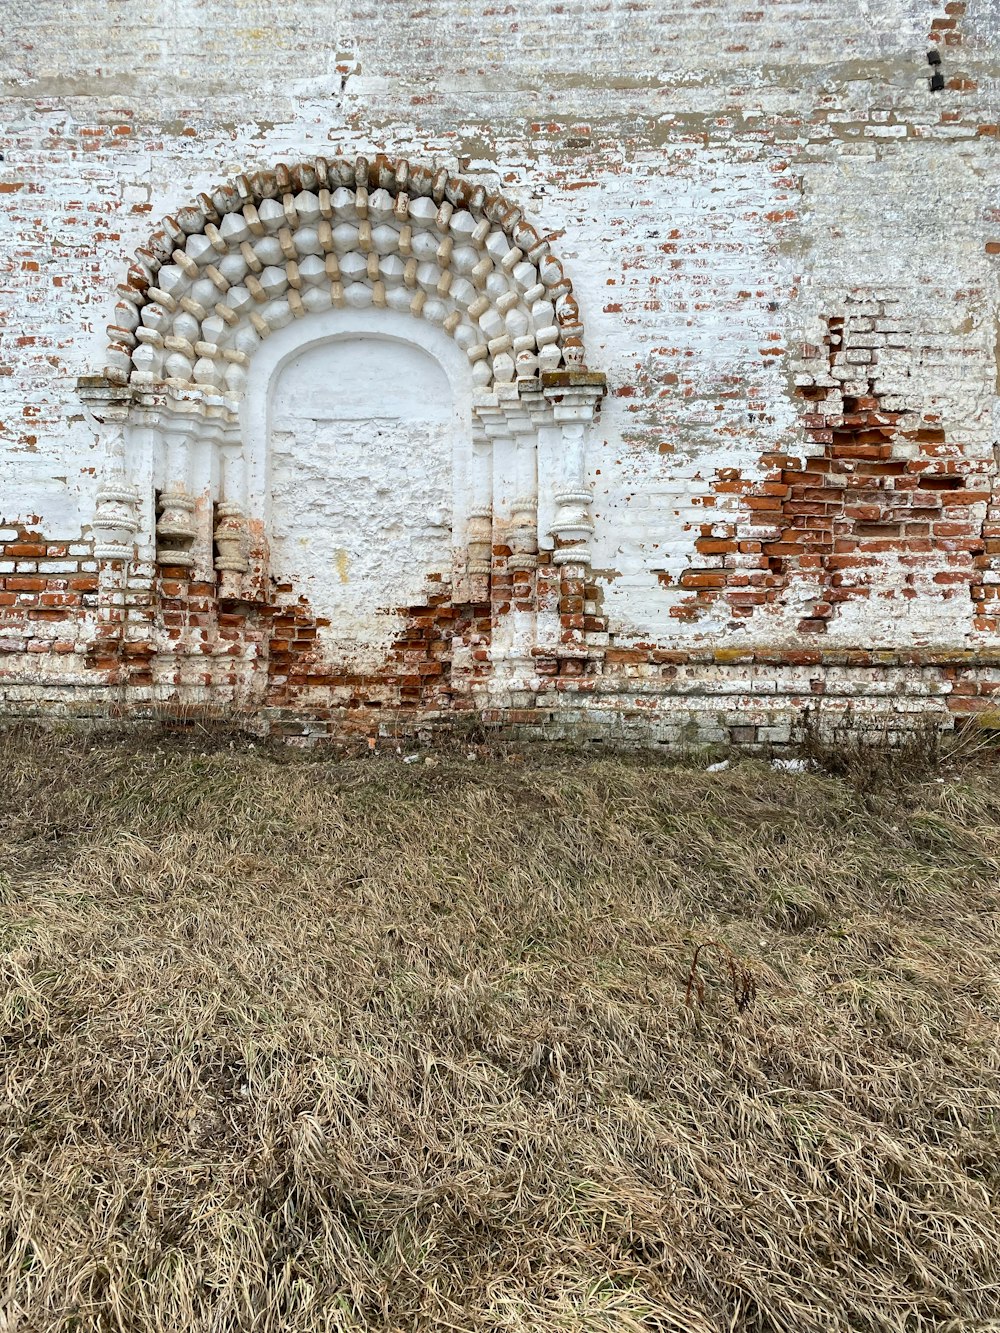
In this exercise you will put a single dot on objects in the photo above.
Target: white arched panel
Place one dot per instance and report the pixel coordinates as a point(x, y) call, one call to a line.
point(358, 443)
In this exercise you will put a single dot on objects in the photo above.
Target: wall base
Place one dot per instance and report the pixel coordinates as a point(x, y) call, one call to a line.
point(753, 700)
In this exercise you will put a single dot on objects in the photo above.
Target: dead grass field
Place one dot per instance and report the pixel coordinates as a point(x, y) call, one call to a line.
point(292, 1043)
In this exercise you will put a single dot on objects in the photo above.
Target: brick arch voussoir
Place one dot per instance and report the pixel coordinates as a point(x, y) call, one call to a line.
point(222, 273)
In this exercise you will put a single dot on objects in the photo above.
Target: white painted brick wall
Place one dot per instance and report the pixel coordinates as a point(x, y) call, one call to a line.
point(718, 181)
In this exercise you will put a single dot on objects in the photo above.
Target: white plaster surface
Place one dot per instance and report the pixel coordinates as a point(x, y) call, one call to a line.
point(362, 436)
point(719, 179)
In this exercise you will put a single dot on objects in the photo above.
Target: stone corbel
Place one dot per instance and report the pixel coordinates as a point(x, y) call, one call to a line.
point(574, 396)
point(231, 545)
point(480, 541)
point(175, 529)
point(524, 533)
point(116, 519)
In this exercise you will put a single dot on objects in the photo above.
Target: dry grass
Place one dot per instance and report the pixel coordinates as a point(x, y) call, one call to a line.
point(298, 1044)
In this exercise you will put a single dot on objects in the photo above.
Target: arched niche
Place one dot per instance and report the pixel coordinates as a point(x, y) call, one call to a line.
point(358, 454)
point(233, 289)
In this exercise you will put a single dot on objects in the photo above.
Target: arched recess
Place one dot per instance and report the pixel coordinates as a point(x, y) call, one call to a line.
point(356, 433)
point(338, 249)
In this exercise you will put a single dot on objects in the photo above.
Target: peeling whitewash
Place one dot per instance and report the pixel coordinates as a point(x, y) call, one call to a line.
point(362, 443)
point(781, 242)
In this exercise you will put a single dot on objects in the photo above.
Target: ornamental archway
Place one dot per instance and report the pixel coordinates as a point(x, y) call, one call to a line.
point(230, 287)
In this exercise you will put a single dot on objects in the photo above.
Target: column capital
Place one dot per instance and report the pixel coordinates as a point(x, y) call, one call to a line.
point(520, 419)
point(492, 417)
point(534, 403)
point(574, 394)
point(107, 403)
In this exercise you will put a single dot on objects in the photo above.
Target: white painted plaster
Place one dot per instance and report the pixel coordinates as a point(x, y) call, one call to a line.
point(720, 178)
point(362, 435)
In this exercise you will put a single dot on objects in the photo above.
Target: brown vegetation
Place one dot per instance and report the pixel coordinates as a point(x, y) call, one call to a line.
point(529, 1043)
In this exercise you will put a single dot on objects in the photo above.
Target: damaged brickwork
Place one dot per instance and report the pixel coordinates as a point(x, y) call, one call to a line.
point(705, 434)
point(873, 486)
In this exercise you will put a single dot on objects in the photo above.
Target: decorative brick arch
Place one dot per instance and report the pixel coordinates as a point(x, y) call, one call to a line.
point(218, 277)
point(281, 261)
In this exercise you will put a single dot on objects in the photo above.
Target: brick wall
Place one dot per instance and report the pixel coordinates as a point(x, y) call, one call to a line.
point(785, 247)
